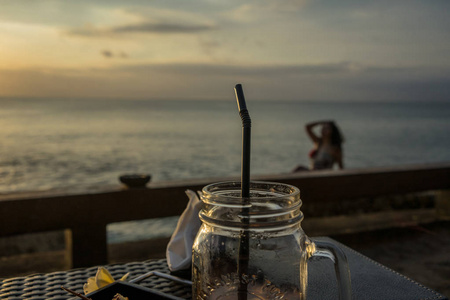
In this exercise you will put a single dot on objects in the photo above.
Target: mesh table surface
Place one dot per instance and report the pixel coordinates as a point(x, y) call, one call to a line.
point(370, 280)
point(48, 286)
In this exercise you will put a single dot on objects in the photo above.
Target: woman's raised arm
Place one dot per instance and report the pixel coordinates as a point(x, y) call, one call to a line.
point(309, 130)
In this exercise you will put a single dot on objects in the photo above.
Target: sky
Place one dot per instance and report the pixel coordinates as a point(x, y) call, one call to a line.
point(300, 50)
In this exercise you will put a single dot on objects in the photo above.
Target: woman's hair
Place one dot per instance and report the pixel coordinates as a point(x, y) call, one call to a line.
point(336, 137)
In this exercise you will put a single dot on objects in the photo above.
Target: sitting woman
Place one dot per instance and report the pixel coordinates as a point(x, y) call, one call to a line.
point(327, 149)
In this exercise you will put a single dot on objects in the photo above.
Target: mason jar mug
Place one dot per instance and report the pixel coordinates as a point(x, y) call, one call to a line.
point(255, 248)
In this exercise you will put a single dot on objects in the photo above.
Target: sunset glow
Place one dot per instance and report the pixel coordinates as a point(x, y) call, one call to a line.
point(197, 50)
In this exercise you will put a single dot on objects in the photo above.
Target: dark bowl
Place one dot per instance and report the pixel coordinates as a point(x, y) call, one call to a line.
point(130, 290)
point(135, 180)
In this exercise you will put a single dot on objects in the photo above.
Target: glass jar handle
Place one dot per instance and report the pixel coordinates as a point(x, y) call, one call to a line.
point(333, 252)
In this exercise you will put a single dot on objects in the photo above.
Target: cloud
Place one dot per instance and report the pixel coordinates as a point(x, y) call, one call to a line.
point(161, 28)
point(143, 28)
point(259, 71)
point(248, 11)
point(330, 82)
point(110, 54)
point(107, 53)
point(286, 5)
point(209, 46)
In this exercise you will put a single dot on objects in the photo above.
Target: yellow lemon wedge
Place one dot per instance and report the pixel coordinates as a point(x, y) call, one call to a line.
point(101, 279)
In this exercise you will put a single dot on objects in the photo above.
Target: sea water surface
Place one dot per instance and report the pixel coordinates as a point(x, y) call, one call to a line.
point(82, 144)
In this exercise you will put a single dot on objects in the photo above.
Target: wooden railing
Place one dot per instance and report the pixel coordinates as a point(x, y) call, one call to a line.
point(86, 215)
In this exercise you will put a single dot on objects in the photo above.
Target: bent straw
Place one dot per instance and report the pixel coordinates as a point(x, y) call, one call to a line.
point(245, 190)
point(246, 131)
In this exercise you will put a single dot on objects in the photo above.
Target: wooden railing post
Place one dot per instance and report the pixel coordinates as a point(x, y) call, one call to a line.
point(88, 245)
point(68, 249)
point(443, 204)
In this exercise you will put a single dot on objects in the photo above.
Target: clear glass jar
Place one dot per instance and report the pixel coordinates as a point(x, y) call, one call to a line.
point(255, 248)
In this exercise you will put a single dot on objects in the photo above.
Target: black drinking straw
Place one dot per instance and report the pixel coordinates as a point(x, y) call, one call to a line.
point(246, 131)
point(245, 191)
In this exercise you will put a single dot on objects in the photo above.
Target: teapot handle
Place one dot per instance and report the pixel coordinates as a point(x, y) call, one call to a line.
point(333, 252)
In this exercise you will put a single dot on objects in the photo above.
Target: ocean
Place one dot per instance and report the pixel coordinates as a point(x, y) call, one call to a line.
point(81, 144)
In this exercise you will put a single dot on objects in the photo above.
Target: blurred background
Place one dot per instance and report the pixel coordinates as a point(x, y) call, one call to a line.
point(93, 89)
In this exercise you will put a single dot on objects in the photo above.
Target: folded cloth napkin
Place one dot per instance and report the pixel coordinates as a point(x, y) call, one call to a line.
point(179, 249)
